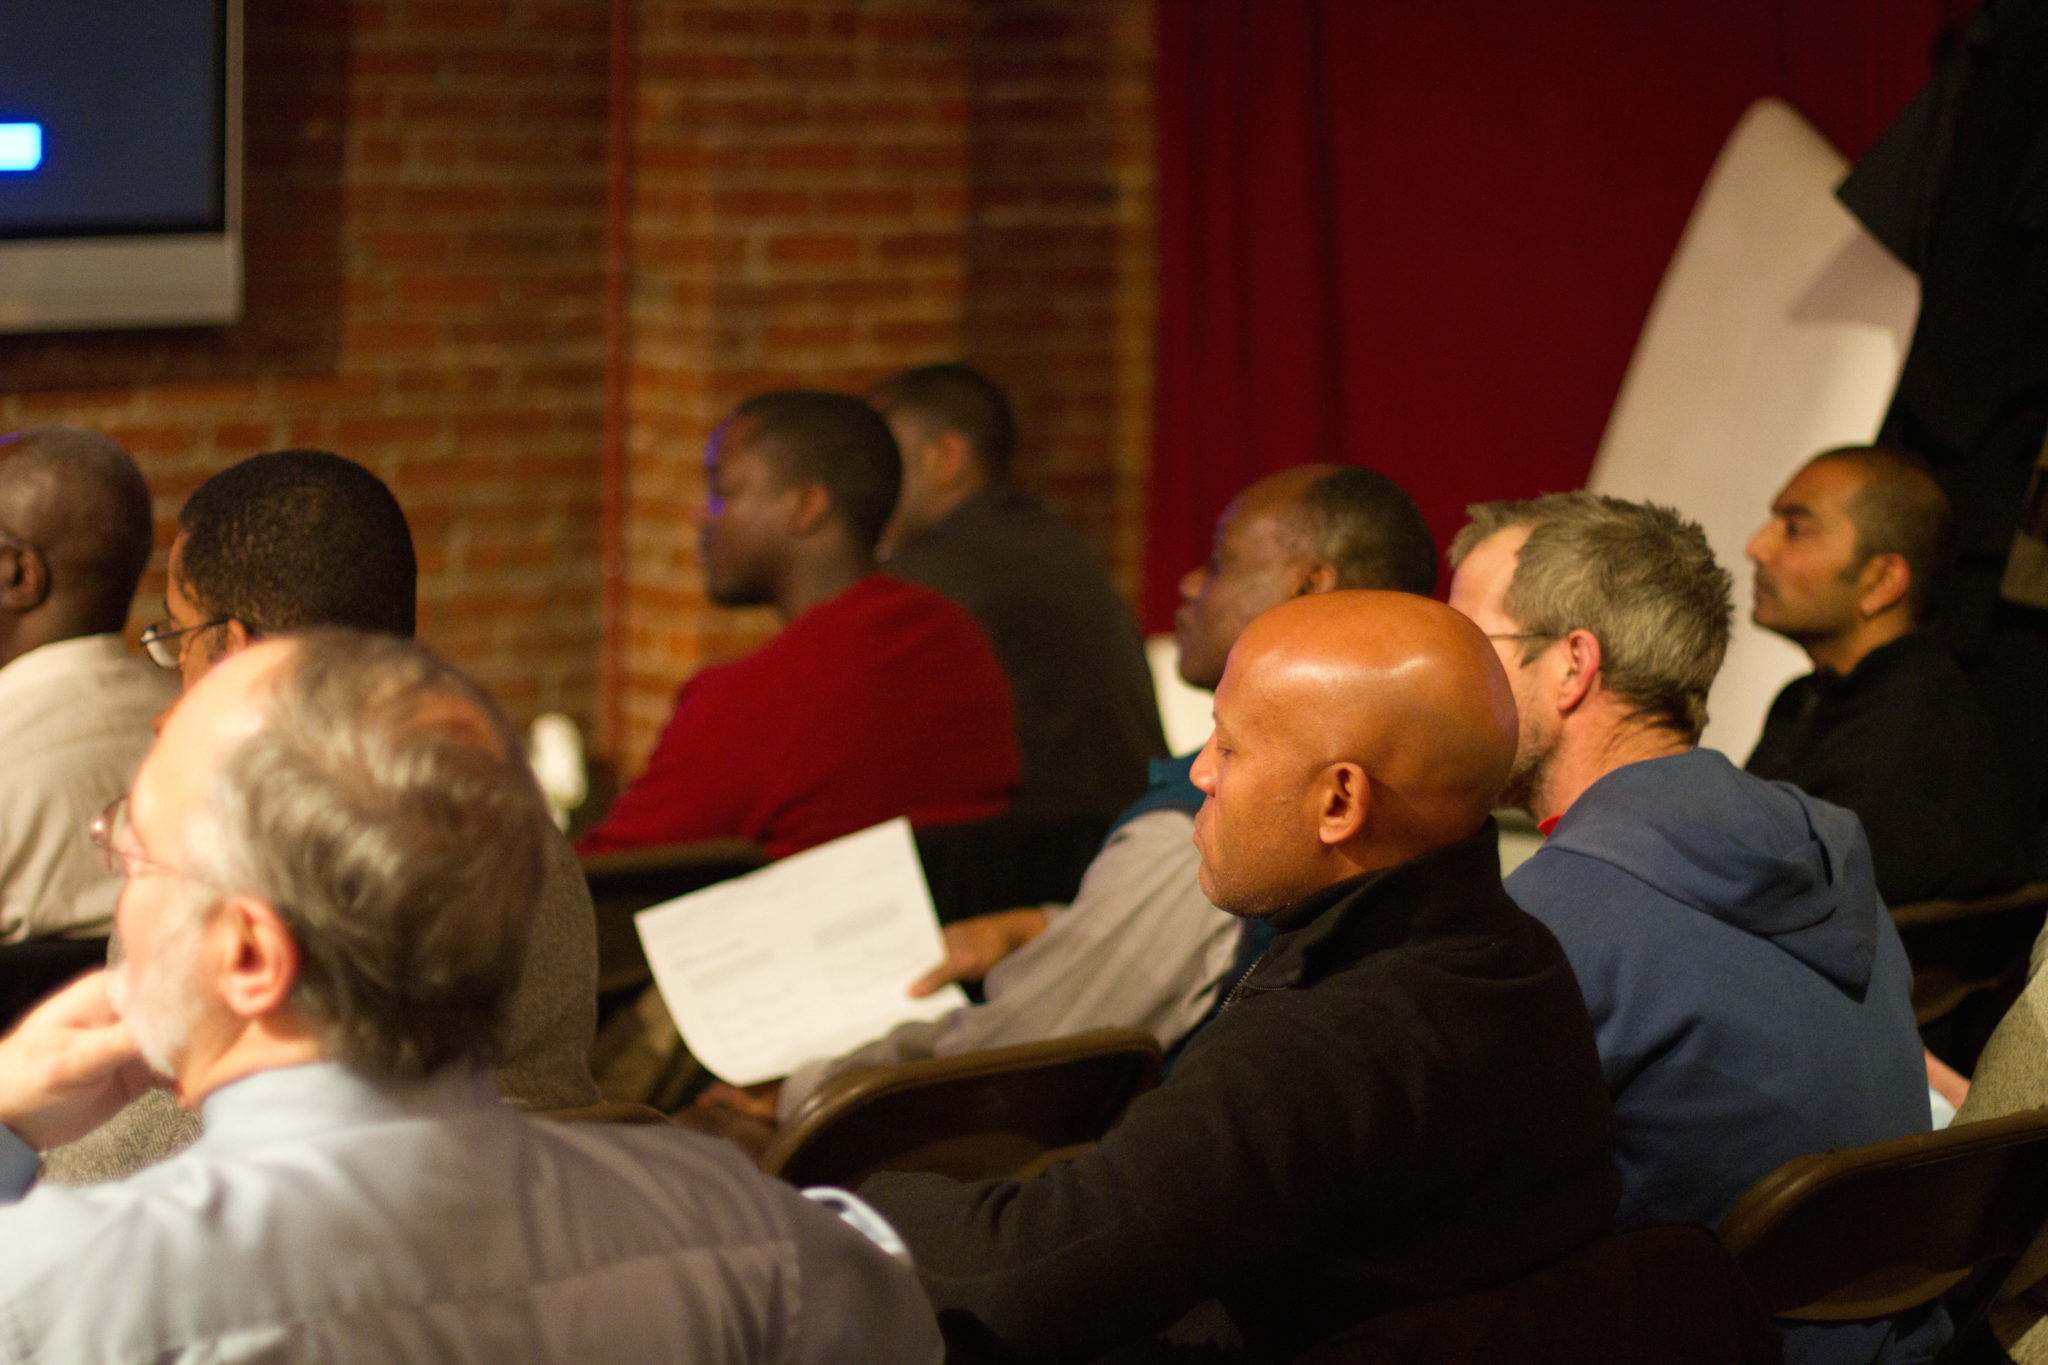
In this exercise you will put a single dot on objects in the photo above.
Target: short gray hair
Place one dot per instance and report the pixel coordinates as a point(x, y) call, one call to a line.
point(1640, 577)
point(386, 811)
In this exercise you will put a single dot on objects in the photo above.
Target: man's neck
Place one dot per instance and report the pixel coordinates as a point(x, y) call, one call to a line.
point(1586, 754)
point(262, 1045)
point(944, 504)
point(810, 582)
point(33, 632)
point(1841, 654)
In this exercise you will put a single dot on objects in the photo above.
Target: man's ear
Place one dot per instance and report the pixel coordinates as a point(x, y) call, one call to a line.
point(24, 578)
point(813, 509)
point(1582, 657)
point(948, 462)
point(219, 642)
point(256, 958)
point(1343, 803)
point(1319, 578)
point(1881, 584)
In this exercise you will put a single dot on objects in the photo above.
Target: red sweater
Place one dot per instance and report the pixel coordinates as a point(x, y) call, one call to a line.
point(886, 700)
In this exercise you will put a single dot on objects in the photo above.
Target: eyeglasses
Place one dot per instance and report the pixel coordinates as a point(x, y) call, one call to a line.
point(105, 832)
point(159, 641)
point(1526, 635)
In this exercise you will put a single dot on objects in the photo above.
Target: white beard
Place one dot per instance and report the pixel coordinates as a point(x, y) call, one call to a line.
point(162, 999)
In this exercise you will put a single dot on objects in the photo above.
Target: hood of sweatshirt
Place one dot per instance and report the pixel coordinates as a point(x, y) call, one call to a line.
point(1762, 856)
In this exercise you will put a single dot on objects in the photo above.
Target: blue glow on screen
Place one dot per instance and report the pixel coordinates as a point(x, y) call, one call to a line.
point(21, 146)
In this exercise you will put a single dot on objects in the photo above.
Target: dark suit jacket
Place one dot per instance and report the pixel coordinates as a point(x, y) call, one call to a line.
point(1086, 718)
point(1400, 1102)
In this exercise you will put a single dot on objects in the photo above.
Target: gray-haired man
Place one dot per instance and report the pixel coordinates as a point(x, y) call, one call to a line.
point(331, 858)
point(1749, 995)
point(297, 539)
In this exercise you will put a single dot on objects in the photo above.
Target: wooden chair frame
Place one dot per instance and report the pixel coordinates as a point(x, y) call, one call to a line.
point(1006, 1111)
point(1873, 1231)
point(1945, 942)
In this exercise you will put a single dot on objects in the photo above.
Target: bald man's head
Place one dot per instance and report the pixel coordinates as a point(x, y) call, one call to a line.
point(1354, 730)
point(75, 527)
point(1311, 528)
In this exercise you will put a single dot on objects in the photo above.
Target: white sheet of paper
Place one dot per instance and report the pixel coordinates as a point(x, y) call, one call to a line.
point(807, 957)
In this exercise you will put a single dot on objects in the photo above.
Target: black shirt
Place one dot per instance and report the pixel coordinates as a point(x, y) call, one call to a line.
point(1087, 721)
point(1903, 741)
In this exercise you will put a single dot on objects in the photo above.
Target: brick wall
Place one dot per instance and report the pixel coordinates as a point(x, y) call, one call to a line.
point(799, 217)
point(424, 214)
point(1061, 291)
point(822, 191)
point(825, 193)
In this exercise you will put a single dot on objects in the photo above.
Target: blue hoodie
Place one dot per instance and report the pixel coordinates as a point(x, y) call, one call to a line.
point(1748, 991)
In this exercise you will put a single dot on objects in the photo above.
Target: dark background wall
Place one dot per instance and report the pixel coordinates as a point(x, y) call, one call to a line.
point(821, 191)
point(1418, 237)
point(1425, 237)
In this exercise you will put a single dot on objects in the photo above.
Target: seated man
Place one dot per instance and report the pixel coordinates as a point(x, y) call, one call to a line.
point(1087, 719)
point(1141, 947)
point(1886, 724)
point(299, 538)
point(2011, 1076)
point(878, 699)
point(331, 860)
point(1750, 996)
point(1400, 1101)
point(75, 705)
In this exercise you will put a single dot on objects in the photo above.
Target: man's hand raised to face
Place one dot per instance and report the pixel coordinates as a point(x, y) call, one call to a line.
point(68, 1066)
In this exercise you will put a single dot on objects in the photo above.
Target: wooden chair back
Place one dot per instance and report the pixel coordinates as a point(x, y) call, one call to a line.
point(1006, 1111)
point(1964, 948)
point(1872, 1231)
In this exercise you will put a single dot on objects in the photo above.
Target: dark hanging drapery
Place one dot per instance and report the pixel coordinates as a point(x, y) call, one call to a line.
point(1425, 237)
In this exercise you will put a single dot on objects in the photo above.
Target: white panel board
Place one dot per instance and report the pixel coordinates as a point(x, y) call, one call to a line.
point(1184, 712)
point(1778, 331)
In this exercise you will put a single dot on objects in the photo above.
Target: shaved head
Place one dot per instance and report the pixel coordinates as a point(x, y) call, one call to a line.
point(1354, 730)
point(1310, 528)
point(75, 501)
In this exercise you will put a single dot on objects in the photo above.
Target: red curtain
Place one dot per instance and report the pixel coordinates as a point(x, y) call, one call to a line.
point(1424, 237)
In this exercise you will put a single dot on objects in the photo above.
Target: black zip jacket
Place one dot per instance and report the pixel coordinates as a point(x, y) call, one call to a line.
point(1401, 1102)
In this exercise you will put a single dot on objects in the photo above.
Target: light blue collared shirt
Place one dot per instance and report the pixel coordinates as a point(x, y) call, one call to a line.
point(18, 1165)
point(326, 1217)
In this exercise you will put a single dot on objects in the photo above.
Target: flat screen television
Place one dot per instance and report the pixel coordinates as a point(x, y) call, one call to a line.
point(120, 164)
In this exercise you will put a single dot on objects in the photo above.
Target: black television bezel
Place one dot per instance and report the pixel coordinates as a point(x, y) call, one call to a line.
point(173, 274)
